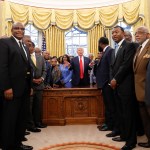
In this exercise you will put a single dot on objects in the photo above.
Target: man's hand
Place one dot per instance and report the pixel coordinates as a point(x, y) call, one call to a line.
point(31, 92)
point(8, 94)
point(38, 81)
point(91, 64)
point(113, 84)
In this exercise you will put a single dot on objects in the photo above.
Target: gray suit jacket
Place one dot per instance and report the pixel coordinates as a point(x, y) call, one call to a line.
point(39, 71)
point(147, 85)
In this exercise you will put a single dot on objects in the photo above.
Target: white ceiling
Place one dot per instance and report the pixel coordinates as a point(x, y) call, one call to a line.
point(69, 4)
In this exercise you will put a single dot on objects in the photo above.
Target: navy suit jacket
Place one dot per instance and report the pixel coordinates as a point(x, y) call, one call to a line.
point(103, 68)
point(147, 86)
point(75, 66)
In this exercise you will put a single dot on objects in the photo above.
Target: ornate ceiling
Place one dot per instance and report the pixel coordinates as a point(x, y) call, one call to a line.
point(69, 4)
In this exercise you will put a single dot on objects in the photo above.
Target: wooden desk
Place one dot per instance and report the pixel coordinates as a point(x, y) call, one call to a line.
point(73, 106)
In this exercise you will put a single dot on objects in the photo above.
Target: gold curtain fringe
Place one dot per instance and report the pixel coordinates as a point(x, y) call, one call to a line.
point(84, 18)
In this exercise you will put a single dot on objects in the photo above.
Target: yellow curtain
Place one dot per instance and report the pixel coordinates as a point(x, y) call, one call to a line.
point(20, 14)
point(146, 9)
point(55, 41)
point(109, 15)
point(93, 36)
point(131, 14)
point(86, 18)
point(138, 24)
point(42, 18)
point(8, 28)
point(64, 19)
point(2, 19)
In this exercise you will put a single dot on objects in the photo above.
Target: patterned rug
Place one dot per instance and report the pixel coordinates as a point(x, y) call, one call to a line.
point(81, 146)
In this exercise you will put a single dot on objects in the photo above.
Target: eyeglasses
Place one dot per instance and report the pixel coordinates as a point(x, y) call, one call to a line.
point(140, 32)
point(18, 28)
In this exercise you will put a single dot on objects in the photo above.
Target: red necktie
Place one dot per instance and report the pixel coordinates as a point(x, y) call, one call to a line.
point(81, 68)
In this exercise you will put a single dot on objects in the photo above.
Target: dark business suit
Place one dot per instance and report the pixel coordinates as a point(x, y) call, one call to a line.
point(15, 73)
point(147, 86)
point(121, 70)
point(75, 66)
point(102, 80)
point(36, 100)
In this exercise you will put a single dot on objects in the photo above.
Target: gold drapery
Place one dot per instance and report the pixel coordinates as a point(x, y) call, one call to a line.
point(93, 37)
point(49, 20)
point(42, 18)
point(55, 41)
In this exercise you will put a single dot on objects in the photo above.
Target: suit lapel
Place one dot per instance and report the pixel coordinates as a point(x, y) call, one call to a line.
point(119, 52)
point(19, 50)
point(140, 57)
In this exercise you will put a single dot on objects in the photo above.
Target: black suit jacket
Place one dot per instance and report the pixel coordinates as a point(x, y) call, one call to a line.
point(76, 71)
point(121, 68)
point(103, 68)
point(13, 67)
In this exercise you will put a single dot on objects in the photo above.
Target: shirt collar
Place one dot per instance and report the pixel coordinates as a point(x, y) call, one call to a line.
point(119, 44)
point(105, 48)
point(17, 39)
point(144, 43)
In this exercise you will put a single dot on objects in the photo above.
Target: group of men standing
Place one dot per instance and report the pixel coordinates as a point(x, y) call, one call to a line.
point(121, 75)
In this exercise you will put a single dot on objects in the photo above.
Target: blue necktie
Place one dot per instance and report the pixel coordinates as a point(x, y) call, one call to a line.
point(116, 49)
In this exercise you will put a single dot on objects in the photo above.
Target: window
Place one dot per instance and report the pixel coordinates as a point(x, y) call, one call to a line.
point(75, 38)
point(35, 35)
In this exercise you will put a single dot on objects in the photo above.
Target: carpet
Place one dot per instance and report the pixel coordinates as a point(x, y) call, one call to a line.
point(81, 146)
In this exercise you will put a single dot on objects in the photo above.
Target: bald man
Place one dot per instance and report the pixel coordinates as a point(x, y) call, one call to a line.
point(128, 36)
point(15, 86)
point(140, 64)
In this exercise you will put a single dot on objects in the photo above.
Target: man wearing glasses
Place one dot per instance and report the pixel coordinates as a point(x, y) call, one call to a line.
point(140, 64)
point(15, 86)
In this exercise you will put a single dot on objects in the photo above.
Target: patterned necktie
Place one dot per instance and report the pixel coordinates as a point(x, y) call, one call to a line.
point(33, 59)
point(137, 54)
point(81, 68)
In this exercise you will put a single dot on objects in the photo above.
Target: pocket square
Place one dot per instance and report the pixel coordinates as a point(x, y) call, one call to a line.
point(146, 56)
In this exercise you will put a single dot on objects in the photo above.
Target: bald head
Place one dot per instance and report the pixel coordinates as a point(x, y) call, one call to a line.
point(128, 36)
point(141, 34)
point(38, 51)
point(27, 40)
point(18, 30)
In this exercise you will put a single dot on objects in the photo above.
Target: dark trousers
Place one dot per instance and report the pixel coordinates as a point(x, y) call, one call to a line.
point(108, 98)
point(126, 122)
point(37, 106)
point(145, 115)
point(14, 119)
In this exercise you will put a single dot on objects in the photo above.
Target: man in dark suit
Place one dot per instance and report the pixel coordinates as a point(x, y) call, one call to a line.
point(39, 74)
point(122, 81)
point(15, 86)
point(147, 86)
point(139, 124)
point(80, 66)
point(102, 80)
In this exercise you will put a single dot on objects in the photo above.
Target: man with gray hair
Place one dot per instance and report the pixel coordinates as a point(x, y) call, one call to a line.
point(140, 63)
point(80, 67)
